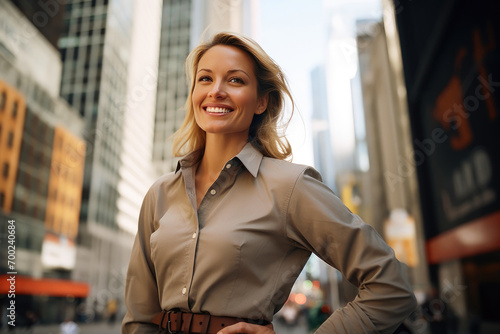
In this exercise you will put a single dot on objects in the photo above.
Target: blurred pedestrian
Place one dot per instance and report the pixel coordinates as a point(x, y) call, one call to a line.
point(69, 327)
point(112, 308)
point(31, 319)
point(289, 314)
point(222, 239)
point(318, 315)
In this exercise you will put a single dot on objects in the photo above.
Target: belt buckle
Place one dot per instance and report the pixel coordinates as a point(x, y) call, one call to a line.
point(169, 329)
point(169, 326)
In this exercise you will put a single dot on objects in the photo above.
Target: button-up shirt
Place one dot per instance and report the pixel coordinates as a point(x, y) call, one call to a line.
point(239, 253)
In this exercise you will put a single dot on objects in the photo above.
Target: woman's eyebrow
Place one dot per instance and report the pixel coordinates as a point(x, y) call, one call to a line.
point(204, 69)
point(238, 70)
point(230, 71)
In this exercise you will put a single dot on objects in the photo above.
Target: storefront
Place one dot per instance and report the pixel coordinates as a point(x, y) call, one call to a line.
point(52, 300)
point(450, 53)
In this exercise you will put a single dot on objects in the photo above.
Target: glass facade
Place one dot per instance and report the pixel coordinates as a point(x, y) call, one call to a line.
point(172, 85)
point(95, 50)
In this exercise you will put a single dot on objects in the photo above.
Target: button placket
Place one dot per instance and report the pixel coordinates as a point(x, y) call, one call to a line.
point(222, 179)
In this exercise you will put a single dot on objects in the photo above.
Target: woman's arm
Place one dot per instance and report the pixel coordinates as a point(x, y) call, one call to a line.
point(141, 291)
point(246, 328)
point(319, 222)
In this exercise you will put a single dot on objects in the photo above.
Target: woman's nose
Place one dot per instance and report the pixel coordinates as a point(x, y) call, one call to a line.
point(217, 90)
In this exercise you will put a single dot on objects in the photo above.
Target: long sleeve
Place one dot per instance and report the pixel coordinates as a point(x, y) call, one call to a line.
point(319, 222)
point(141, 291)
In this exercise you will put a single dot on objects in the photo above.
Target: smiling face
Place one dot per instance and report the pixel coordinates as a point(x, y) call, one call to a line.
point(225, 96)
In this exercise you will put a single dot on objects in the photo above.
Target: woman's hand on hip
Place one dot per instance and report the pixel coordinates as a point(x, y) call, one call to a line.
point(246, 328)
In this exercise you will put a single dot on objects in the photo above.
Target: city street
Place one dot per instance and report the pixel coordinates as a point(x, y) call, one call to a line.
point(93, 328)
point(300, 328)
point(105, 328)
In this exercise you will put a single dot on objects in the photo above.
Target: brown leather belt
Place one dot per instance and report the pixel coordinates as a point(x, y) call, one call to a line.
point(183, 322)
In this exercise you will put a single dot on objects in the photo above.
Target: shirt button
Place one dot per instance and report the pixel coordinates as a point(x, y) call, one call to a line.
point(228, 166)
point(194, 235)
point(213, 192)
point(184, 291)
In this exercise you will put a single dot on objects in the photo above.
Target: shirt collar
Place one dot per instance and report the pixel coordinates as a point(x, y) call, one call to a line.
point(189, 160)
point(249, 156)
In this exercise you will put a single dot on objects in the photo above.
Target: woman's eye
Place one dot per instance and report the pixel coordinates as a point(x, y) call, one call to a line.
point(204, 78)
point(236, 80)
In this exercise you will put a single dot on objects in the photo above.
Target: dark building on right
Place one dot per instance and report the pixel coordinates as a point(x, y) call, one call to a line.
point(430, 75)
point(451, 64)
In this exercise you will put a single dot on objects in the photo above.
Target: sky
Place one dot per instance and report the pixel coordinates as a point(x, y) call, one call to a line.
point(293, 33)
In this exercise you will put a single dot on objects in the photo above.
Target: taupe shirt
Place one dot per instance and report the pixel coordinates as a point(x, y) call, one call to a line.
point(241, 251)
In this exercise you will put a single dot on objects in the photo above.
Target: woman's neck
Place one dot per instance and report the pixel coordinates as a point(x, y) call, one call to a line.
point(218, 150)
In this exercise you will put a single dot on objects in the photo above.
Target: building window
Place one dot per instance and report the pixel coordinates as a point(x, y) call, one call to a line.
point(68, 7)
point(10, 139)
point(5, 171)
point(14, 109)
point(27, 180)
point(82, 100)
point(31, 155)
point(63, 54)
point(3, 99)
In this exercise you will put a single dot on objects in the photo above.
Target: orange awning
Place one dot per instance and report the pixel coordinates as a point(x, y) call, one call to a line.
point(25, 285)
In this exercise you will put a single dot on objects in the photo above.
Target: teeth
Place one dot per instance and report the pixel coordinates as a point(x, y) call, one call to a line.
point(218, 110)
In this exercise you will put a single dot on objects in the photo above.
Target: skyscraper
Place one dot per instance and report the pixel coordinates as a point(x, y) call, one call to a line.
point(95, 49)
point(172, 85)
point(46, 16)
point(322, 140)
point(136, 171)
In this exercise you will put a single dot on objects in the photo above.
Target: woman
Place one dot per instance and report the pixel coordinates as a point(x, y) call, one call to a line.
point(222, 239)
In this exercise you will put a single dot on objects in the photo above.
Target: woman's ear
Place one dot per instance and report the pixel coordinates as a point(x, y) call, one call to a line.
point(262, 104)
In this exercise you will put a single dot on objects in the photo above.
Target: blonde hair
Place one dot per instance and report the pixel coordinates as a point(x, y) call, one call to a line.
point(264, 127)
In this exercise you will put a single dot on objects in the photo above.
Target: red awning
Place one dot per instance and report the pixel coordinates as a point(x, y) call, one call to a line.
point(25, 285)
point(477, 237)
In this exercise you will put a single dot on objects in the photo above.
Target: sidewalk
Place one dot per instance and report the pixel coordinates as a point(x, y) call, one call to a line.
point(92, 328)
